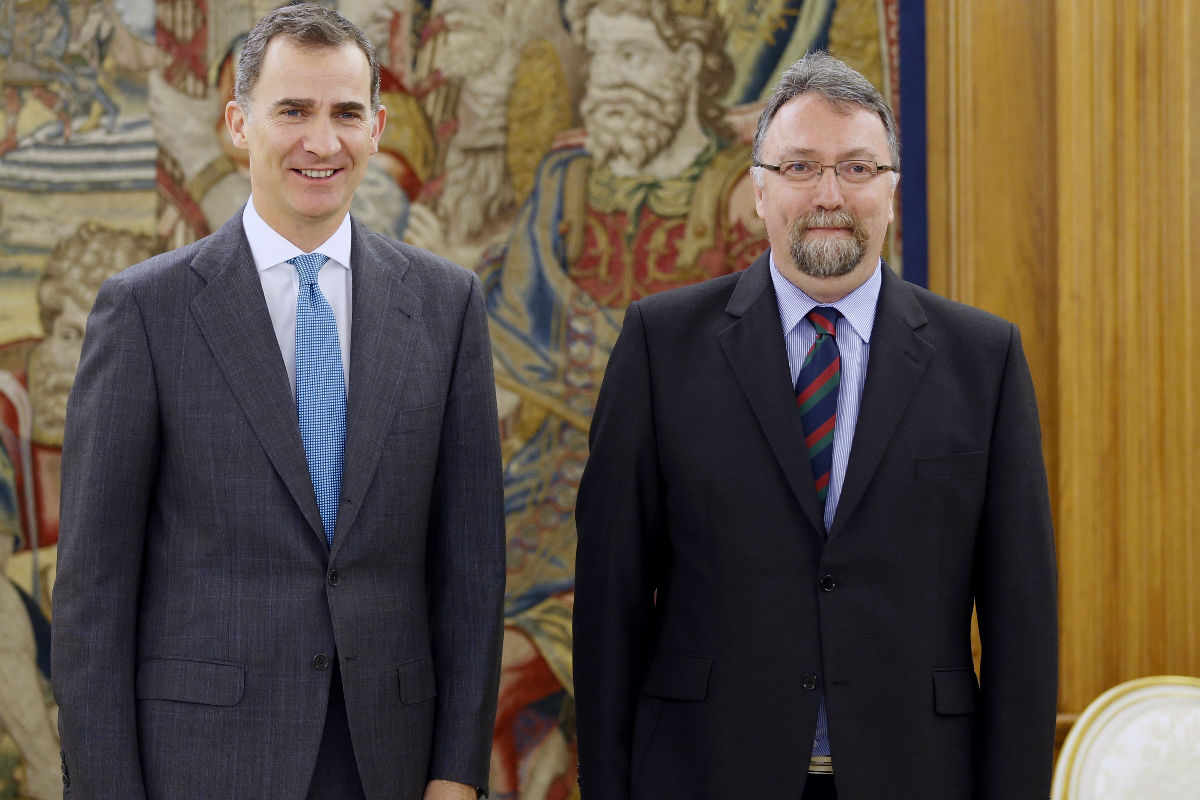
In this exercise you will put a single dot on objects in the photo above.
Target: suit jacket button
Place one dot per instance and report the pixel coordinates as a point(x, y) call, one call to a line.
point(320, 661)
point(809, 682)
point(334, 578)
point(828, 583)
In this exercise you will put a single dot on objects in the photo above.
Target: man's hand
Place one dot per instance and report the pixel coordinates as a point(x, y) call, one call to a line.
point(449, 790)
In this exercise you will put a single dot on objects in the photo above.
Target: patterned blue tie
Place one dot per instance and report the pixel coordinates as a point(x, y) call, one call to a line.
point(320, 389)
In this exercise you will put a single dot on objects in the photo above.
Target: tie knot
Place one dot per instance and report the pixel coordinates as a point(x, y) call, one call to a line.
point(308, 265)
point(824, 319)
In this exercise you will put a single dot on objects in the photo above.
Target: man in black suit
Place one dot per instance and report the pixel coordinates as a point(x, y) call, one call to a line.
point(803, 477)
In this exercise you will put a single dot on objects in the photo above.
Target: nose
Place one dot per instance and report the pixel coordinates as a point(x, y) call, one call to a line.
point(603, 70)
point(610, 67)
point(321, 138)
point(828, 191)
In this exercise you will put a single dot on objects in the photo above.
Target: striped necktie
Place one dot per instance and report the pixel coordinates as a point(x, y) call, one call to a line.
point(817, 395)
point(320, 390)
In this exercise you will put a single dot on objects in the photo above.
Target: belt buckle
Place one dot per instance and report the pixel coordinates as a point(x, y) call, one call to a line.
point(820, 765)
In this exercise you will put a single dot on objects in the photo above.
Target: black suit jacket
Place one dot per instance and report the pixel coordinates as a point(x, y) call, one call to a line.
point(712, 610)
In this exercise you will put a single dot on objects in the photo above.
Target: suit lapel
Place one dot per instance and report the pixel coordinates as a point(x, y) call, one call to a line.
point(758, 356)
point(232, 315)
point(386, 314)
point(898, 357)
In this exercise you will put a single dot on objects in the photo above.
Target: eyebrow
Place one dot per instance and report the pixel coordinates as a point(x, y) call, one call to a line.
point(308, 105)
point(805, 153)
point(349, 105)
point(291, 102)
point(631, 41)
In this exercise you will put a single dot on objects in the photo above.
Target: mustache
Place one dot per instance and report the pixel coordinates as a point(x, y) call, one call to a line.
point(616, 88)
point(822, 218)
point(623, 93)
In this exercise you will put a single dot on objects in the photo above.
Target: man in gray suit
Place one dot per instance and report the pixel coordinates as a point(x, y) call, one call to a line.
point(237, 614)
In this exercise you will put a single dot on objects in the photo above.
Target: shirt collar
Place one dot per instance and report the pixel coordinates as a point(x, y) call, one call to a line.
point(269, 248)
point(858, 307)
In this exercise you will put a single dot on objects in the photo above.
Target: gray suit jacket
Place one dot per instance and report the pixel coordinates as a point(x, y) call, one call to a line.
point(197, 607)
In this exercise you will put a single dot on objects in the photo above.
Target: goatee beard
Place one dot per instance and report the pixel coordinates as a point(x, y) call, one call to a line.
point(827, 256)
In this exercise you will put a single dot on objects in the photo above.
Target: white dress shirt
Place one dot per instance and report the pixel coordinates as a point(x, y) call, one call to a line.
point(281, 284)
point(854, 345)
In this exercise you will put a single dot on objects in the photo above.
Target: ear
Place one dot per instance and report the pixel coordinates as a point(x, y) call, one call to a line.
point(759, 205)
point(892, 200)
point(235, 120)
point(690, 60)
point(377, 128)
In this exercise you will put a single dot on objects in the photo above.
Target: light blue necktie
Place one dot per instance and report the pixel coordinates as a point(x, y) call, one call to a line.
point(320, 389)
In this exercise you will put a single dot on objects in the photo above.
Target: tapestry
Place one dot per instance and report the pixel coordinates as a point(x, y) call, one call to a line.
point(552, 146)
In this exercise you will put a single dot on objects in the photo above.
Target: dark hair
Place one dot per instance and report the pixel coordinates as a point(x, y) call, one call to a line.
point(840, 85)
point(308, 25)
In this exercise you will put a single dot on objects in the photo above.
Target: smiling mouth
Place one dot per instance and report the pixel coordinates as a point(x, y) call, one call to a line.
point(316, 173)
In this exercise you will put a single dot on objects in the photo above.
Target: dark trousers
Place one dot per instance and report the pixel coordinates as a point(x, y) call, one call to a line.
point(819, 787)
point(335, 776)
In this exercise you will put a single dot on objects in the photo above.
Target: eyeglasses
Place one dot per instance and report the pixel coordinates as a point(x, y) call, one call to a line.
point(810, 171)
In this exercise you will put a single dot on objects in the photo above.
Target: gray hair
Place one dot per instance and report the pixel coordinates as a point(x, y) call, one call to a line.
point(307, 25)
point(841, 86)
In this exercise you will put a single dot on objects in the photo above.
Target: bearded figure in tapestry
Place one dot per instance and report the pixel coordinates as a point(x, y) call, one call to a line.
point(654, 195)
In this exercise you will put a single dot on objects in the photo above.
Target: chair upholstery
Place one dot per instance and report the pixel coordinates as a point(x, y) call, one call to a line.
point(1137, 741)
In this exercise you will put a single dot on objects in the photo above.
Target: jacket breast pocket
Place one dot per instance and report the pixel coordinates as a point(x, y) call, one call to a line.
point(954, 691)
point(950, 464)
point(209, 682)
point(678, 676)
point(417, 681)
point(408, 420)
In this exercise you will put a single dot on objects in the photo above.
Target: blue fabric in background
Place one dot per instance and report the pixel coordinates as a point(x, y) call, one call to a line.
point(913, 197)
point(41, 631)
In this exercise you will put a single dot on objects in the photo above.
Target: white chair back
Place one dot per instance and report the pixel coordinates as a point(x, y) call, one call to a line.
point(1137, 741)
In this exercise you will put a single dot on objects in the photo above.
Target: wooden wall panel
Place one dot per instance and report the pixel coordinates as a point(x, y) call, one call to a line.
point(991, 173)
point(990, 118)
point(1181, 417)
point(1128, 492)
point(1064, 193)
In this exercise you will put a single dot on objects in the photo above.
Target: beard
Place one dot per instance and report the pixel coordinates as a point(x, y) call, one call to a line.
point(827, 256)
point(477, 190)
point(633, 122)
point(49, 384)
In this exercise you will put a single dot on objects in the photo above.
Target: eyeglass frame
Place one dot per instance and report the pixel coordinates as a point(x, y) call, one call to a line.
point(778, 169)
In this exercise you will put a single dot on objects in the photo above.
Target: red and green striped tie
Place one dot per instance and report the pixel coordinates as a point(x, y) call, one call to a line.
point(817, 393)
